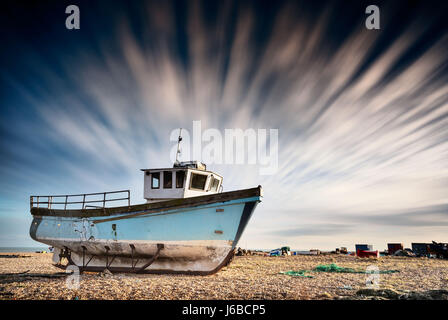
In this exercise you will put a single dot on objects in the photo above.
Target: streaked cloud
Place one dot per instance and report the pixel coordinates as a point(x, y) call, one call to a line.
point(362, 115)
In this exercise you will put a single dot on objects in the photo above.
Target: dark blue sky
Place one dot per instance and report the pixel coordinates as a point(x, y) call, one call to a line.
point(362, 114)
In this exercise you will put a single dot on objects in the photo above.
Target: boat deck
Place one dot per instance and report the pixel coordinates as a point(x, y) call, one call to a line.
point(149, 207)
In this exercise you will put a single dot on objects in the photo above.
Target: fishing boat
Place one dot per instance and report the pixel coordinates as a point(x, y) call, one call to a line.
point(187, 225)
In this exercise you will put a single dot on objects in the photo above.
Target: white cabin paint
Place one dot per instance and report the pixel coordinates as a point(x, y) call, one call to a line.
point(174, 188)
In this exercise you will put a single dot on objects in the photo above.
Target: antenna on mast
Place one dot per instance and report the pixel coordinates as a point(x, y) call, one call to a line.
point(178, 145)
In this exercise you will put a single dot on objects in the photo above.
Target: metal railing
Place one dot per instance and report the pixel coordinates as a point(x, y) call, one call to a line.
point(48, 201)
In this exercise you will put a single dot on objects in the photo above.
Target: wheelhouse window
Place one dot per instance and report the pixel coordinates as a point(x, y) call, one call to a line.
point(155, 180)
point(180, 178)
point(198, 181)
point(214, 184)
point(167, 179)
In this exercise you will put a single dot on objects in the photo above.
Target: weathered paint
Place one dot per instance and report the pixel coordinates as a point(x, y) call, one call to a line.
point(187, 234)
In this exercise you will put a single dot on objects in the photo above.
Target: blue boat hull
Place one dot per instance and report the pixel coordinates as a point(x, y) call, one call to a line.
point(198, 238)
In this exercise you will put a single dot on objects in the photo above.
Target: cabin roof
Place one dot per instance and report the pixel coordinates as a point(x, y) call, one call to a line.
point(162, 169)
point(197, 165)
point(177, 169)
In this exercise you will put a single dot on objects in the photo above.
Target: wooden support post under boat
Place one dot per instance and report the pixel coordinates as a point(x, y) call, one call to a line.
point(84, 265)
point(107, 257)
point(132, 257)
point(67, 254)
point(160, 246)
point(83, 256)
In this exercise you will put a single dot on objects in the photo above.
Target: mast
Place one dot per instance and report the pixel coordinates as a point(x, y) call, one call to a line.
point(179, 139)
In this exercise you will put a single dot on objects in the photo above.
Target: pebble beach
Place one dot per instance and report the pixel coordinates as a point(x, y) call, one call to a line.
point(25, 275)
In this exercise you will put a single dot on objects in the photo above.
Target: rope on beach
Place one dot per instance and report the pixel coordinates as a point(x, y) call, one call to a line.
point(14, 274)
point(36, 275)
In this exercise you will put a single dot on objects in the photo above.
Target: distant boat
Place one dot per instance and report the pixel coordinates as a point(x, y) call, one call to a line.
point(187, 225)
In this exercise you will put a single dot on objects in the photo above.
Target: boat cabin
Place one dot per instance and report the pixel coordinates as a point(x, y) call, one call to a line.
point(184, 180)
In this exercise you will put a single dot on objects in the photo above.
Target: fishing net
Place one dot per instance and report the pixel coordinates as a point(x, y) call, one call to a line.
point(334, 268)
point(300, 273)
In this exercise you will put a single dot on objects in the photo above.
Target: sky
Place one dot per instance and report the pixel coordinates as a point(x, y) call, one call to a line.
point(362, 115)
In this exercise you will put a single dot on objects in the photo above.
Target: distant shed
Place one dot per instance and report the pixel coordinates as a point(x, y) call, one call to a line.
point(421, 249)
point(394, 247)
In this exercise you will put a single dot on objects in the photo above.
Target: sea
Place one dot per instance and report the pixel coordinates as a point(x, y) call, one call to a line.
point(23, 249)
